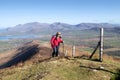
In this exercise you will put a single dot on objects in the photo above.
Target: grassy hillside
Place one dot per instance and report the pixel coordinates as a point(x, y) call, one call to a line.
point(42, 67)
point(63, 69)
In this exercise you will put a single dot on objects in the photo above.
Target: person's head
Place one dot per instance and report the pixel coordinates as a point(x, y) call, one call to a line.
point(58, 34)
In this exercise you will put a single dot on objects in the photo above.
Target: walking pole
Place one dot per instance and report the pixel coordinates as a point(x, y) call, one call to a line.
point(63, 49)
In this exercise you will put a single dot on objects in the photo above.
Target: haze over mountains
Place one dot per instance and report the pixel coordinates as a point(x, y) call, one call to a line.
point(36, 27)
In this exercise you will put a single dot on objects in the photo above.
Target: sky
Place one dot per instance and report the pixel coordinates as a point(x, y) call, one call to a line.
point(13, 12)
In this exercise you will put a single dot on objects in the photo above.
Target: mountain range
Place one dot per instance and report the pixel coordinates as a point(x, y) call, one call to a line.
point(42, 28)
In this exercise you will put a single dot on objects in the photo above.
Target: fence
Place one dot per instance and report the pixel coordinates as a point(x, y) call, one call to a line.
point(89, 40)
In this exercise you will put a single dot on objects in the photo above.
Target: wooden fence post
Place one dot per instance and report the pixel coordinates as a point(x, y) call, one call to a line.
point(66, 53)
point(95, 50)
point(101, 44)
point(73, 50)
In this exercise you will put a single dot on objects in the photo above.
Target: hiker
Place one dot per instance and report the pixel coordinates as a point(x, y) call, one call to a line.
point(55, 43)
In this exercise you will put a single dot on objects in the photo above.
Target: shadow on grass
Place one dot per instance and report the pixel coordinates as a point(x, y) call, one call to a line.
point(116, 76)
point(24, 53)
point(96, 60)
point(86, 57)
point(82, 57)
point(99, 69)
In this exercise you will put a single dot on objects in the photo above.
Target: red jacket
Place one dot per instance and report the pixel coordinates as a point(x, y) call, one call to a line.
point(55, 41)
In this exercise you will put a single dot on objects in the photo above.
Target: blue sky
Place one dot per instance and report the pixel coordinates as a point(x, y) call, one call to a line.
point(13, 12)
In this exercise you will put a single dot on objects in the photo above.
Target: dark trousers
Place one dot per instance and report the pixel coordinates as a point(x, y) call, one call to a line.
point(55, 51)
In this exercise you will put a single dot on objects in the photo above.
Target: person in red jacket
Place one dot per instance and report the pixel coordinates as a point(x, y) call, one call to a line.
point(55, 43)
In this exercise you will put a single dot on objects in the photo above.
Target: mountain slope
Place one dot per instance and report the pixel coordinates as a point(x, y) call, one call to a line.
point(45, 28)
point(41, 66)
point(22, 54)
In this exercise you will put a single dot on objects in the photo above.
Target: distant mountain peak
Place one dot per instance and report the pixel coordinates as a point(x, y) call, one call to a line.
point(37, 27)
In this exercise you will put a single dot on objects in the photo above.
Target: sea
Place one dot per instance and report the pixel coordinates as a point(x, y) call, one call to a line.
point(9, 37)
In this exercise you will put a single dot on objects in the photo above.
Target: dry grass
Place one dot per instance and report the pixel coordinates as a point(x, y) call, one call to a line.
point(41, 67)
point(61, 69)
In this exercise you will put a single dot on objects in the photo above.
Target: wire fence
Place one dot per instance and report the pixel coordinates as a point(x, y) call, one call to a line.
point(88, 40)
